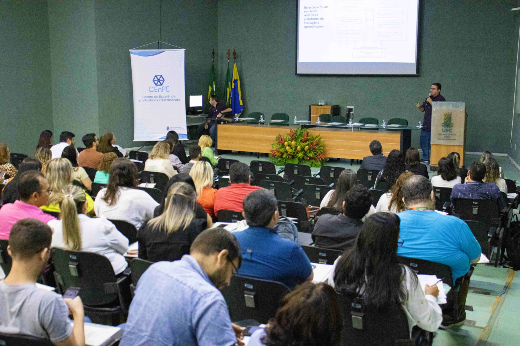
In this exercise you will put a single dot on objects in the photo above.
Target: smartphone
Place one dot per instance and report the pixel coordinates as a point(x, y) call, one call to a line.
point(71, 293)
point(250, 330)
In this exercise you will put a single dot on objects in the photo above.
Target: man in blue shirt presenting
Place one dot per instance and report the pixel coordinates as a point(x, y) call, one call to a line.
point(434, 237)
point(426, 107)
point(264, 254)
point(179, 303)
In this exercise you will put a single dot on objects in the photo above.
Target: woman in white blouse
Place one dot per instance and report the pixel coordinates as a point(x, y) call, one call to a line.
point(392, 201)
point(447, 176)
point(120, 200)
point(158, 160)
point(77, 232)
point(493, 174)
point(371, 269)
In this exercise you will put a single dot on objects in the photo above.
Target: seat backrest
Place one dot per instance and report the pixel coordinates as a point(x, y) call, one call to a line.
point(252, 298)
point(280, 116)
point(364, 325)
point(369, 121)
point(330, 174)
point(483, 210)
point(480, 232)
point(96, 187)
point(223, 182)
point(313, 194)
point(53, 213)
point(300, 182)
point(80, 149)
point(16, 159)
point(139, 165)
point(420, 266)
point(91, 272)
point(282, 191)
point(398, 121)
point(159, 179)
point(155, 193)
point(126, 229)
point(263, 167)
point(25, 340)
point(292, 170)
point(325, 118)
point(138, 266)
point(339, 119)
point(376, 195)
point(255, 115)
point(511, 185)
point(321, 255)
point(229, 216)
point(224, 165)
point(91, 172)
point(298, 211)
point(367, 177)
point(5, 260)
point(138, 155)
point(442, 195)
point(266, 177)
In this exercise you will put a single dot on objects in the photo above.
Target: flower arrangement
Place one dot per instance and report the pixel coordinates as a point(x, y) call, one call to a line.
point(298, 147)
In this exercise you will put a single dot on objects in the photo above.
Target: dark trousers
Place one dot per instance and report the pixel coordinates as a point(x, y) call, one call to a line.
point(425, 141)
point(456, 298)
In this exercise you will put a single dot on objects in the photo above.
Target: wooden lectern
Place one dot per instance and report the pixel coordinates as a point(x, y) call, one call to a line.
point(448, 130)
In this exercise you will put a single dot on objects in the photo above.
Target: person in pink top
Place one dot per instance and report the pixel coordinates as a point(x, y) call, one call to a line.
point(33, 191)
point(232, 197)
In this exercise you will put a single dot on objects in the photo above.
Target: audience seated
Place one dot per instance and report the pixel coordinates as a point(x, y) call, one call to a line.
point(120, 200)
point(106, 144)
point(45, 140)
point(439, 238)
point(493, 174)
point(78, 173)
point(372, 268)
point(463, 172)
point(178, 149)
point(77, 232)
point(195, 155)
point(33, 192)
point(169, 236)
point(264, 254)
point(413, 163)
point(339, 232)
point(310, 315)
point(205, 143)
point(196, 314)
point(44, 155)
point(174, 160)
point(394, 167)
point(27, 309)
point(377, 161)
point(103, 169)
point(202, 175)
point(66, 139)
point(475, 188)
point(5, 165)
point(231, 197)
point(392, 201)
point(447, 175)
point(90, 157)
point(158, 160)
point(59, 176)
point(10, 193)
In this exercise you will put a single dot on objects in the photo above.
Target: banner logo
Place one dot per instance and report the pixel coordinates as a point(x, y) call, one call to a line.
point(158, 80)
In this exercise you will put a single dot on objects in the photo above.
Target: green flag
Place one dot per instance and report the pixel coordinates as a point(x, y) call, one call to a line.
point(228, 84)
point(212, 80)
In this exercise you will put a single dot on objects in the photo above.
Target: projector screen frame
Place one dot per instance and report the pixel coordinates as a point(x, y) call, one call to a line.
point(417, 51)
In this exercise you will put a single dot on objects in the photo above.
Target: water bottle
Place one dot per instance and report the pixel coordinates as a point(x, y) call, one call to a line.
point(295, 119)
point(261, 121)
point(383, 123)
point(318, 121)
point(350, 121)
point(420, 125)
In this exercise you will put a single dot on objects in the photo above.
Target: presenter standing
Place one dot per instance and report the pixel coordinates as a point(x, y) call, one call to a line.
point(426, 107)
point(214, 115)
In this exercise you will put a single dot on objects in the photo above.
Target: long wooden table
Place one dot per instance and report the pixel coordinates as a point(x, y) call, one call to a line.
point(343, 143)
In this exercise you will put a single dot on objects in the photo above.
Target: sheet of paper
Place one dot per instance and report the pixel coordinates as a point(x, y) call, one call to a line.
point(430, 280)
point(228, 226)
point(132, 247)
point(512, 195)
point(483, 259)
point(149, 185)
point(321, 272)
point(98, 334)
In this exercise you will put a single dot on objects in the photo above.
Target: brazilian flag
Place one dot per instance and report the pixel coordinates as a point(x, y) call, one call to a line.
point(228, 84)
point(237, 105)
point(212, 80)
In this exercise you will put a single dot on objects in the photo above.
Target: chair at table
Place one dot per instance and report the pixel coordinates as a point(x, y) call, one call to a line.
point(280, 116)
point(96, 187)
point(480, 232)
point(292, 170)
point(139, 165)
point(282, 190)
point(511, 186)
point(223, 182)
point(229, 216)
point(375, 195)
point(224, 165)
point(367, 177)
point(258, 177)
point(339, 119)
point(263, 167)
point(138, 266)
point(159, 179)
point(442, 198)
point(297, 211)
point(300, 181)
point(138, 155)
point(314, 194)
point(24, 340)
point(321, 255)
point(80, 149)
point(420, 266)
point(256, 116)
point(52, 213)
point(5, 260)
point(330, 174)
point(155, 193)
point(252, 298)
point(325, 118)
point(126, 229)
point(16, 159)
point(372, 121)
point(398, 121)
point(91, 172)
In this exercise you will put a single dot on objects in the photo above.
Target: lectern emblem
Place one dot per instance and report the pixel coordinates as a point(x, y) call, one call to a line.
point(447, 124)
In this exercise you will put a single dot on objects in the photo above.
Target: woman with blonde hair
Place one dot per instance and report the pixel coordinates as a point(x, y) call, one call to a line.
point(59, 176)
point(158, 161)
point(202, 175)
point(106, 142)
point(392, 201)
point(104, 168)
point(44, 155)
point(169, 236)
point(77, 232)
point(205, 143)
point(5, 165)
point(493, 174)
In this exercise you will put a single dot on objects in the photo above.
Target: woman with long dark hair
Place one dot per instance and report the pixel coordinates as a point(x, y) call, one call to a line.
point(462, 171)
point(45, 140)
point(106, 144)
point(334, 198)
point(392, 201)
point(371, 270)
point(413, 163)
point(394, 167)
point(178, 147)
point(447, 175)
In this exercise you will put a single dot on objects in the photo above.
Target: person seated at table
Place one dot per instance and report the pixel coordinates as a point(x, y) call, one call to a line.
point(214, 117)
point(75, 231)
point(205, 143)
point(232, 197)
point(195, 155)
point(158, 160)
point(178, 149)
point(120, 200)
point(392, 201)
point(447, 175)
point(413, 163)
point(265, 254)
point(493, 175)
point(310, 315)
point(78, 173)
point(372, 267)
point(174, 159)
point(103, 171)
point(169, 236)
point(10, 192)
point(339, 232)
point(377, 161)
point(394, 167)
point(202, 175)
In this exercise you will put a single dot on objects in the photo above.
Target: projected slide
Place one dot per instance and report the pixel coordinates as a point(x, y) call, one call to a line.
point(357, 37)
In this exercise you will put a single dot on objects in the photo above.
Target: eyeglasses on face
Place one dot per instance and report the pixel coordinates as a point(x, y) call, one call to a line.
point(235, 269)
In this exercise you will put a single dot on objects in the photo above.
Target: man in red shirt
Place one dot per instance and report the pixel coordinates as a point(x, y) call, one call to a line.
point(231, 197)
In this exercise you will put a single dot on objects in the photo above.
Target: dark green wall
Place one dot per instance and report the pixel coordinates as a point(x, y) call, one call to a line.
point(25, 70)
point(468, 46)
